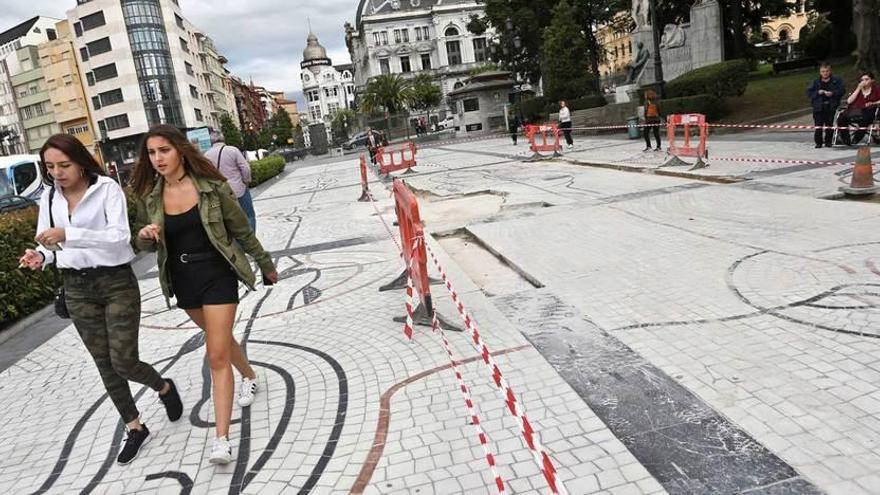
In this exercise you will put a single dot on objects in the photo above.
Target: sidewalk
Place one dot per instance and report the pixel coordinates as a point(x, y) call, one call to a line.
point(663, 334)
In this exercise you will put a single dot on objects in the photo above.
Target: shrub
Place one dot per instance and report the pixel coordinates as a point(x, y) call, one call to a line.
point(21, 291)
point(265, 169)
point(711, 106)
point(723, 79)
point(533, 109)
point(585, 102)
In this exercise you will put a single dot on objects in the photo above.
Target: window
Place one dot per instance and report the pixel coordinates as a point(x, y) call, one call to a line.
point(783, 35)
point(332, 108)
point(453, 52)
point(147, 38)
point(404, 35)
point(418, 34)
point(404, 65)
point(84, 54)
point(451, 31)
point(315, 112)
point(78, 29)
point(193, 91)
point(110, 97)
point(179, 21)
point(199, 115)
point(426, 61)
point(471, 105)
point(189, 68)
point(376, 39)
point(383, 36)
point(313, 95)
point(78, 129)
point(105, 72)
point(51, 34)
point(480, 50)
point(397, 38)
point(92, 21)
point(384, 66)
point(184, 45)
point(90, 78)
point(116, 122)
point(23, 175)
point(98, 47)
point(96, 102)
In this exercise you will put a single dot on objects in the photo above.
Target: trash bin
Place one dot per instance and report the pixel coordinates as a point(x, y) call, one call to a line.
point(632, 128)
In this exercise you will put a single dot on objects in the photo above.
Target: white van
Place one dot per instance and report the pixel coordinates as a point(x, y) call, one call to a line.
point(20, 176)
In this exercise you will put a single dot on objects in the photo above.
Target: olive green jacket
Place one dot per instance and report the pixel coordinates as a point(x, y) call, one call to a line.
point(224, 221)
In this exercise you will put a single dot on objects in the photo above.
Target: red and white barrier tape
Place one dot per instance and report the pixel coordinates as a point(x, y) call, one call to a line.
point(469, 403)
point(778, 161)
point(408, 331)
point(529, 434)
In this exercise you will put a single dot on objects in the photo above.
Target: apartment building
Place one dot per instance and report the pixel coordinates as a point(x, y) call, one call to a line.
point(65, 87)
point(142, 66)
point(13, 138)
point(35, 109)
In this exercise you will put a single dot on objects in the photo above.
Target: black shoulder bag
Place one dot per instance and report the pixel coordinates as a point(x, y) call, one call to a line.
point(60, 302)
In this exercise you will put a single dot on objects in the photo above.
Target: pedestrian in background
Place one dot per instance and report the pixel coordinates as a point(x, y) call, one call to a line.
point(653, 119)
point(565, 123)
point(234, 166)
point(373, 144)
point(188, 213)
point(861, 109)
point(515, 124)
point(825, 93)
point(83, 229)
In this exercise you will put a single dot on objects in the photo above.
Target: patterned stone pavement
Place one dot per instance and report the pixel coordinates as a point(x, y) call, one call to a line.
point(674, 335)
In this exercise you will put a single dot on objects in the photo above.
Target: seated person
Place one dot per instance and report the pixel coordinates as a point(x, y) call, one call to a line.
point(861, 109)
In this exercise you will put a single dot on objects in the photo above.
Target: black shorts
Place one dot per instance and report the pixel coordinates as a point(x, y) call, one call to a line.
point(203, 282)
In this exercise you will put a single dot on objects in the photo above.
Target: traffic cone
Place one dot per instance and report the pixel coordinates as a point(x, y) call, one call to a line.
point(862, 175)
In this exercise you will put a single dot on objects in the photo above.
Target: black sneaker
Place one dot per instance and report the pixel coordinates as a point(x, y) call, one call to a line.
point(171, 400)
point(133, 443)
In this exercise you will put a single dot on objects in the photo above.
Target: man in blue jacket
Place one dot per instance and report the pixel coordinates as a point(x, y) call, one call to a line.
point(825, 94)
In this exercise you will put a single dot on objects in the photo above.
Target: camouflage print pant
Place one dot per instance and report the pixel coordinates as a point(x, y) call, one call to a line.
point(105, 307)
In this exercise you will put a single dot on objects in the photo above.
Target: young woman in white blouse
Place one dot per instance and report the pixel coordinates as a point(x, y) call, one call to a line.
point(83, 229)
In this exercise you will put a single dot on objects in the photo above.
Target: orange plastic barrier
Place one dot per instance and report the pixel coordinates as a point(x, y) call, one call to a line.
point(544, 131)
point(386, 158)
point(687, 121)
point(365, 185)
point(411, 231)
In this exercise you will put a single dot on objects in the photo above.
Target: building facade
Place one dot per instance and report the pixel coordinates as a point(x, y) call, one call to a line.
point(326, 89)
point(64, 85)
point(251, 113)
point(13, 138)
point(616, 42)
point(787, 29)
point(140, 60)
point(290, 106)
point(35, 108)
point(408, 38)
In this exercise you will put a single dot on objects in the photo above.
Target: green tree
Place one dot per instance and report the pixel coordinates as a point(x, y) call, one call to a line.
point(230, 131)
point(591, 14)
point(565, 74)
point(840, 15)
point(281, 127)
point(299, 141)
point(388, 93)
point(424, 95)
point(341, 123)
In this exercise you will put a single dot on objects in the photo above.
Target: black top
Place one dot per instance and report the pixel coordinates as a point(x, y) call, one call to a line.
point(185, 233)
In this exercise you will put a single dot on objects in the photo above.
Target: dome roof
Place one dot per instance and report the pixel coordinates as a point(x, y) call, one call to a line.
point(313, 50)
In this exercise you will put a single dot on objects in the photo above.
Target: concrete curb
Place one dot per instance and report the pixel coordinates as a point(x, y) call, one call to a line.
point(16, 328)
point(717, 179)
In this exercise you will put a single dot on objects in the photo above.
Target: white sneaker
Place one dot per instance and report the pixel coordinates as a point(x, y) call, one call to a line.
point(570, 147)
point(246, 392)
point(221, 452)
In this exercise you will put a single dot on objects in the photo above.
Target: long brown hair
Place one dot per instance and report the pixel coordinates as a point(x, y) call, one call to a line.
point(194, 162)
point(74, 150)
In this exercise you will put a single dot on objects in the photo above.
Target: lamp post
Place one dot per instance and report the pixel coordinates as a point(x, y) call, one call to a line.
point(514, 42)
point(658, 60)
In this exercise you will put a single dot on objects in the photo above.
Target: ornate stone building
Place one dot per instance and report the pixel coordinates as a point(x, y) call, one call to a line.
point(416, 36)
point(326, 88)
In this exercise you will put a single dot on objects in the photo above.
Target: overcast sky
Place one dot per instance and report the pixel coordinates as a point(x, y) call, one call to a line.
point(262, 39)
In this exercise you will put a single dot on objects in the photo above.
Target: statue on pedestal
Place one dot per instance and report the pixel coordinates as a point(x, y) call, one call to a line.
point(641, 13)
point(643, 55)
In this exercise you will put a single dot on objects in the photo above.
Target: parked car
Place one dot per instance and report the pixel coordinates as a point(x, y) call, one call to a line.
point(359, 140)
point(447, 123)
point(12, 203)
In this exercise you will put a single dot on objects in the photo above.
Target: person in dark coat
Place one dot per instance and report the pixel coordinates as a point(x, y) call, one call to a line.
point(825, 94)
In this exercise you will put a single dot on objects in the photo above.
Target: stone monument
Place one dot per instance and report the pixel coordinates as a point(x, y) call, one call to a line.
point(683, 47)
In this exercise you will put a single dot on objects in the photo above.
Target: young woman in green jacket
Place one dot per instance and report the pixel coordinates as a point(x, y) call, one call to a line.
point(189, 214)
